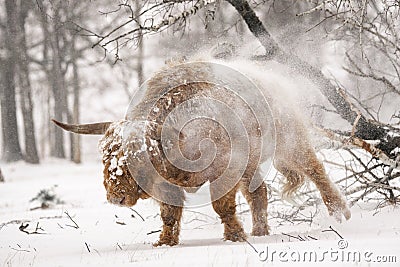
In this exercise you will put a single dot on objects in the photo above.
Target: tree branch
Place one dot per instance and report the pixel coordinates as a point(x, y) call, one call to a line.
point(364, 129)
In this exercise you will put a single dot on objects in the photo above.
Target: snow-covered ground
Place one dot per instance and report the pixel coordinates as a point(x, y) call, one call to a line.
point(104, 235)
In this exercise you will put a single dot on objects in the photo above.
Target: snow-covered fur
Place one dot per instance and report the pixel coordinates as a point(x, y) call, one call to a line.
point(121, 188)
point(142, 138)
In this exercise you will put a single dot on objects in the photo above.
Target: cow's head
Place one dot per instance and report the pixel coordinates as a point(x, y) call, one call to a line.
point(122, 189)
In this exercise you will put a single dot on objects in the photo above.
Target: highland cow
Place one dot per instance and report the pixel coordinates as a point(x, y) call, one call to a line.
point(127, 143)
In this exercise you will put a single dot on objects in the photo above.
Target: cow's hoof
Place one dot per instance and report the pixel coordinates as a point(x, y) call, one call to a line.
point(260, 230)
point(166, 242)
point(340, 213)
point(338, 210)
point(239, 236)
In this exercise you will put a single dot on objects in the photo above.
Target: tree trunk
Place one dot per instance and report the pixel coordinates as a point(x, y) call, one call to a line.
point(75, 138)
point(140, 74)
point(57, 82)
point(140, 49)
point(1, 177)
point(11, 146)
point(364, 128)
point(31, 154)
point(47, 134)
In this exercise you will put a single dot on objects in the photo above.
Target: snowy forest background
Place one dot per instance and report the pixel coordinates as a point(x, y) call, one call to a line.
point(81, 61)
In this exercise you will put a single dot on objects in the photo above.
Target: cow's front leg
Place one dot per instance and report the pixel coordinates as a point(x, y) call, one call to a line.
point(170, 214)
point(171, 217)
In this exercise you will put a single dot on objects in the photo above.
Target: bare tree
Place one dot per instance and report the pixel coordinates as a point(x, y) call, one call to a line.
point(57, 77)
point(24, 83)
point(75, 139)
point(140, 56)
point(371, 31)
point(60, 63)
point(11, 146)
point(51, 64)
point(63, 49)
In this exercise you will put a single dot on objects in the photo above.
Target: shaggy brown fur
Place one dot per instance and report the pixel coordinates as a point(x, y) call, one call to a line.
point(294, 158)
point(118, 181)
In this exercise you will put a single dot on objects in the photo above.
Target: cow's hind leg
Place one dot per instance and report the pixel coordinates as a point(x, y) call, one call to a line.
point(258, 202)
point(331, 196)
point(225, 207)
point(309, 166)
point(294, 179)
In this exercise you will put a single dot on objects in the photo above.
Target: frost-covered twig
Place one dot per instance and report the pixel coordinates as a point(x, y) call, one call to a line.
point(153, 232)
point(76, 226)
point(87, 247)
point(351, 141)
point(366, 178)
point(333, 230)
point(13, 222)
point(141, 217)
point(317, 8)
point(23, 228)
point(149, 26)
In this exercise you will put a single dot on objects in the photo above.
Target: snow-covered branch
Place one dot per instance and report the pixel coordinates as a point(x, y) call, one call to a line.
point(164, 11)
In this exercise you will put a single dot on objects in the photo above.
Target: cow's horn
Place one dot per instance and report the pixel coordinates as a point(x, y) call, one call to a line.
point(92, 128)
